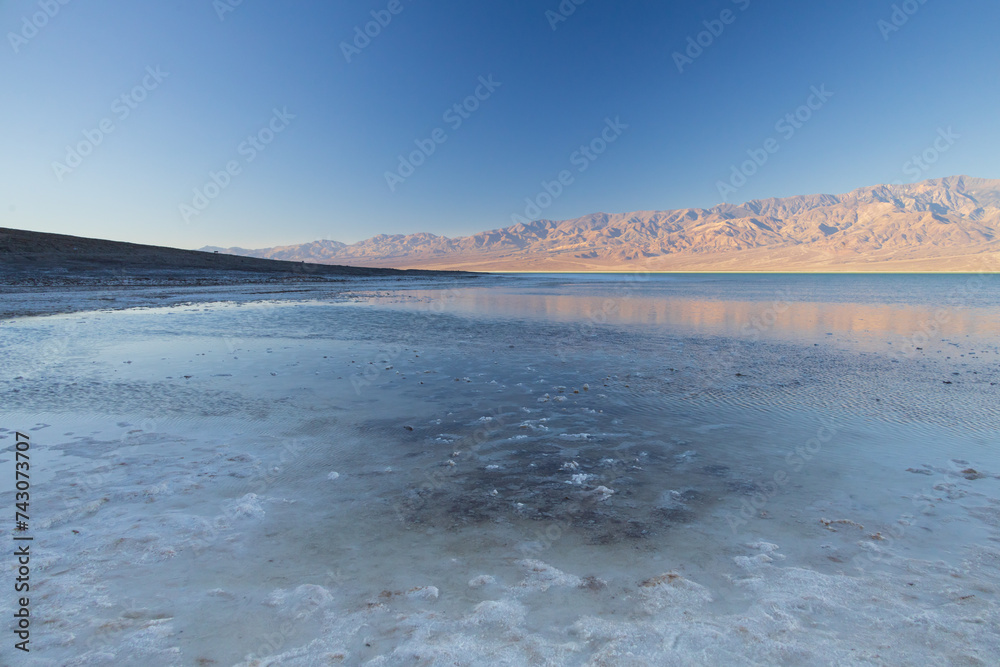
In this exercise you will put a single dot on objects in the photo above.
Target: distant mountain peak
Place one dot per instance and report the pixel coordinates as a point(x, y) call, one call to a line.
point(948, 223)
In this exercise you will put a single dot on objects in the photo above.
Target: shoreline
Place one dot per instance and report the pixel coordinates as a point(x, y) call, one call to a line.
point(103, 293)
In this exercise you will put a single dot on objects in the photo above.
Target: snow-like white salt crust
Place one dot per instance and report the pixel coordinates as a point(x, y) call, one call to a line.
point(201, 523)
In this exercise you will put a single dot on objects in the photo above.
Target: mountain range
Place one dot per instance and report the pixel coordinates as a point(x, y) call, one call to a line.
point(949, 224)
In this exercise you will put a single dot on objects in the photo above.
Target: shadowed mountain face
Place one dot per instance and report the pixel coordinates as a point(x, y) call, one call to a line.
point(946, 224)
point(40, 258)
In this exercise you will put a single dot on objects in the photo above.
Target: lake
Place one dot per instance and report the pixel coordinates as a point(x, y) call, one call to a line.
point(518, 469)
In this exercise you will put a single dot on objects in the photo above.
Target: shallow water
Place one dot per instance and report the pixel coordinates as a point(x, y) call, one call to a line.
point(544, 470)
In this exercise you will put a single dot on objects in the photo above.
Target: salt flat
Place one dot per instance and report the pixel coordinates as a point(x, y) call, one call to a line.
point(554, 470)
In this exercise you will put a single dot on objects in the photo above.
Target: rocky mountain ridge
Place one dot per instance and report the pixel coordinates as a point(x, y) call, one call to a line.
point(943, 224)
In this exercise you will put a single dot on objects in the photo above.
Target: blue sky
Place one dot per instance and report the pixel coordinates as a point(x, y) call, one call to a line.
point(252, 124)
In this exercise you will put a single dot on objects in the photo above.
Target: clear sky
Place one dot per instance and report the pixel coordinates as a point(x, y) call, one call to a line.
point(116, 112)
